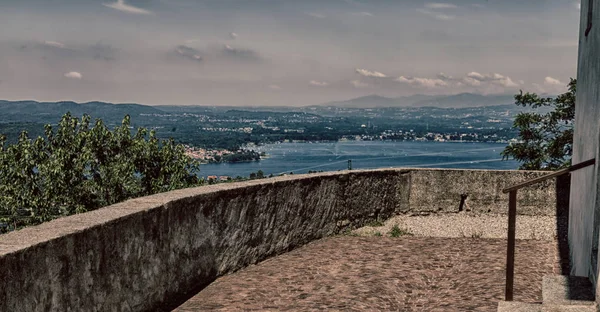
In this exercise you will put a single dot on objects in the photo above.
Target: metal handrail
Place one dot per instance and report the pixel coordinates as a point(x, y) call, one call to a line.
point(512, 216)
point(550, 175)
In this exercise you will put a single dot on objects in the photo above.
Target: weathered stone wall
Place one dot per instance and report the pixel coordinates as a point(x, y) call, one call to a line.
point(146, 254)
point(440, 191)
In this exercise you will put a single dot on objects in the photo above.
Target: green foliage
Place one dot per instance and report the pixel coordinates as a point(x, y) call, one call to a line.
point(76, 167)
point(396, 231)
point(547, 138)
point(375, 223)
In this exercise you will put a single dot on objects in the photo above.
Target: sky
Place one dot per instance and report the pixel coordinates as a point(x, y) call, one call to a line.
point(282, 52)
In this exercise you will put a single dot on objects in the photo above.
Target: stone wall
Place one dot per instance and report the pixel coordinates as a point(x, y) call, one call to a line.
point(440, 191)
point(151, 253)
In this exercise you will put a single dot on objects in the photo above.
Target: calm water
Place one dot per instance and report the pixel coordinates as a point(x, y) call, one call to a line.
point(302, 157)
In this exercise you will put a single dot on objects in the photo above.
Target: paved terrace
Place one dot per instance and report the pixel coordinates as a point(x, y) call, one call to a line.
point(348, 273)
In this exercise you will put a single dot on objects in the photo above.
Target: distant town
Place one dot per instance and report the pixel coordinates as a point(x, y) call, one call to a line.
point(214, 134)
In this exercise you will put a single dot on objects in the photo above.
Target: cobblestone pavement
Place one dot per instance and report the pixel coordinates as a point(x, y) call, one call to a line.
point(348, 273)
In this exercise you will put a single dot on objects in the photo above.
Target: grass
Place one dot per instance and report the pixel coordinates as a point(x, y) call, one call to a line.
point(377, 234)
point(349, 232)
point(396, 231)
point(375, 223)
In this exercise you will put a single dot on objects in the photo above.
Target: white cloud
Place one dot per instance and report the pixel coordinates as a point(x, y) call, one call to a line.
point(120, 5)
point(478, 5)
point(233, 35)
point(437, 15)
point(476, 75)
point(358, 84)
point(316, 15)
point(54, 44)
point(550, 85)
point(444, 77)
point(488, 82)
point(318, 83)
point(367, 73)
point(422, 82)
point(506, 82)
point(363, 14)
point(471, 82)
point(475, 79)
point(435, 5)
point(552, 81)
point(73, 75)
point(274, 87)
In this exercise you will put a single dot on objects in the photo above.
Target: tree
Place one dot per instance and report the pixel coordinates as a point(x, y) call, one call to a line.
point(546, 138)
point(76, 168)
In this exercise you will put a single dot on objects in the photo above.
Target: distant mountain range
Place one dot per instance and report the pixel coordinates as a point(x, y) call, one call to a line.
point(33, 111)
point(420, 100)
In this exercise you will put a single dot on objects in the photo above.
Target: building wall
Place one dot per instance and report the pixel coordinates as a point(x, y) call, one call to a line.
point(585, 145)
point(149, 253)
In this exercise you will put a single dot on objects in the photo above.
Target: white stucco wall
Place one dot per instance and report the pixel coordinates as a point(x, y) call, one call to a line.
point(587, 116)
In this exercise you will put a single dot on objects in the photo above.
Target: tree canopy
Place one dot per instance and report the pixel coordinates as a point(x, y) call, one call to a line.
point(546, 138)
point(77, 167)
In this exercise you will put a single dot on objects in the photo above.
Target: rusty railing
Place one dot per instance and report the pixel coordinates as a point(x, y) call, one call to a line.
point(512, 215)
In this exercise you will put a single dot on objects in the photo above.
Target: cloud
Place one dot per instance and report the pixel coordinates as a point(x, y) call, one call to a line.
point(188, 53)
point(367, 73)
point(552, 81)
point(243, 54)
point(476, 79)
point(358, 84)
point(274, 87)
point(54, 44)
point(422, 82)
point(478, 5)
point(318, 83)
point(233, 35)
point(73, 75)
point(437, 15)
point(487, 82)
point(476, 75)
point(120, 5)
point(444, 77)
point(471, 82)
point(316, 15)
point(437, 6)
point(362, 14)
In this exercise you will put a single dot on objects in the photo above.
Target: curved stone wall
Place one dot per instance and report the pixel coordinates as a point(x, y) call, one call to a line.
point(149, 253)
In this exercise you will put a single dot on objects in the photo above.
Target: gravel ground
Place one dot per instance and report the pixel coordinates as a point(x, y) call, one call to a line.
point(466, 225)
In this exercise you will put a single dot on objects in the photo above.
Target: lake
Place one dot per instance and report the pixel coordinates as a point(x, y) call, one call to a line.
point(302, 157)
